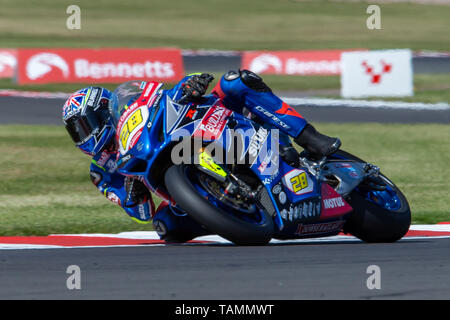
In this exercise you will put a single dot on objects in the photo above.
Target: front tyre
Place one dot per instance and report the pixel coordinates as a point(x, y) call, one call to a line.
point(215, 219)
point(372, 222)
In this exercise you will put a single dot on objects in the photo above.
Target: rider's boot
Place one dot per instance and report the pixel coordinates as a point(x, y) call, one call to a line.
point(315, 143)
point(176, 228)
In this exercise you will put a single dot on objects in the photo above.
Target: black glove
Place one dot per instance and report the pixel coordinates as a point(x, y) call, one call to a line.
point(196, 86)
point(137, 192)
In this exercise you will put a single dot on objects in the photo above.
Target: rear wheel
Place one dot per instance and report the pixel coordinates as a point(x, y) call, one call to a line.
point(240, 223)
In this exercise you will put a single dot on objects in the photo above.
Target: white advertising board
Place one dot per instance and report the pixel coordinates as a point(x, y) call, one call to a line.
point(383, 73)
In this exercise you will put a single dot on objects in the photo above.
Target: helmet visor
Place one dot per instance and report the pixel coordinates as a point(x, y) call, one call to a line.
point(90, 123)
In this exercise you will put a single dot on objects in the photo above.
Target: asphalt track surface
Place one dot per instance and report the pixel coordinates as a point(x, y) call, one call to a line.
point(410, 269)
point(19, 110)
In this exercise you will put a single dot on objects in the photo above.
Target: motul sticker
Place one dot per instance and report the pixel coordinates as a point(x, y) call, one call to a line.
point(333, 205)
point(336, 202)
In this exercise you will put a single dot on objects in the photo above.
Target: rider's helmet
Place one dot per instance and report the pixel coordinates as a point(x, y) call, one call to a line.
point(87, 118)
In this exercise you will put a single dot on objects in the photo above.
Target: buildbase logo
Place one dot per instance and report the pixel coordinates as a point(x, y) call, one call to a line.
point(99, 65)
point(41, 64)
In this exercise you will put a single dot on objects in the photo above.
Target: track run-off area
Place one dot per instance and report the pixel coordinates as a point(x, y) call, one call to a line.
point(137, 265)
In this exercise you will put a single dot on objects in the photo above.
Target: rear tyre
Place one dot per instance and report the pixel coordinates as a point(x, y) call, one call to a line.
point(213, 218)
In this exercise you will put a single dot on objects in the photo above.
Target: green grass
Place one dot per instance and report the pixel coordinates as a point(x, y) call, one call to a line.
point(46, 188)
point(415, 157)
point(223, 24)
point(232, 25)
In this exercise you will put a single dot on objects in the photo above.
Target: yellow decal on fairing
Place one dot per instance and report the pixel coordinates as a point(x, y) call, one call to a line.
point(299, 182)
point(133, 121)
point(207, 162)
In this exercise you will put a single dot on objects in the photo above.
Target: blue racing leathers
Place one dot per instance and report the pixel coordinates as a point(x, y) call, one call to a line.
point(245, 91)
point(112, 184)
point(241, 92)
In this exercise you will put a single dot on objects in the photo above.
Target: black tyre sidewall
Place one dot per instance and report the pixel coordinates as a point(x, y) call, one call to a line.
point(213, 218)
point(372, 223)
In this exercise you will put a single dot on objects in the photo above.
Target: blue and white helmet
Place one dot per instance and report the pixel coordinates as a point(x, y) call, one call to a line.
point(87, 118)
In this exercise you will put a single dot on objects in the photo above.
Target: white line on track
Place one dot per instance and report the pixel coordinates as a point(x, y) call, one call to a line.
point(217, 240)
point(312, 102)
point(373, 104)
point(33, 94)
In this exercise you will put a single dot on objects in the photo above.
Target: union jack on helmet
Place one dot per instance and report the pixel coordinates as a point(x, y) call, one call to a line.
point(87, 118)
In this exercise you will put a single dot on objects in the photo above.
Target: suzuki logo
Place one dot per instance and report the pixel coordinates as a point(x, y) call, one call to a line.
point(265, 61)
point(376, 77)
point(42, 63)
point(7, 60)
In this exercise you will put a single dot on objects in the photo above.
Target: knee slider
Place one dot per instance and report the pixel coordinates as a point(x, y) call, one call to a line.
point(249, 78)
point(253, 81)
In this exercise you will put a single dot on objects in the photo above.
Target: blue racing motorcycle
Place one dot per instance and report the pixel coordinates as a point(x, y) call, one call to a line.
point(230, 174)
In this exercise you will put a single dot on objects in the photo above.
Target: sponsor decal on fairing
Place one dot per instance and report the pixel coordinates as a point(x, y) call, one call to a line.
point(213, 123)
point(318, 228)
point(333, 205)
point(298, 182)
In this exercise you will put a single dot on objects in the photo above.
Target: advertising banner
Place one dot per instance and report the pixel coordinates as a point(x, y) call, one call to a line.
point(98, 65)
point(8, 62)
point(380, 73)
point(324, 62)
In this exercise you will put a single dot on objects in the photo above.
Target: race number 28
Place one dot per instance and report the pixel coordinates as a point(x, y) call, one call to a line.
point(131, 124)
point(299, 182)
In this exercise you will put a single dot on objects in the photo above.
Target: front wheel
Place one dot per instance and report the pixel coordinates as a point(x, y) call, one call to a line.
point(240, 227)
point(379, 216)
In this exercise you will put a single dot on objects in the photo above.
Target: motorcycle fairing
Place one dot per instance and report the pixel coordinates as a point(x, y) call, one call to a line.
point(170, 120)
point(260, 145)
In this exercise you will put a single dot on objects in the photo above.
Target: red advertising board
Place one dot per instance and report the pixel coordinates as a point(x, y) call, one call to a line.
point(325, 62)
point(98, 65)
point(8, 62)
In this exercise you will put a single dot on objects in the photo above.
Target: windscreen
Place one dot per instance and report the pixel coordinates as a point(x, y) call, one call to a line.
point(125, 95)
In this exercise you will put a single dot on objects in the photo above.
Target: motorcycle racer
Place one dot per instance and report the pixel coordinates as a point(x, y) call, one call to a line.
point(246, 90)
point(87, 118)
